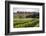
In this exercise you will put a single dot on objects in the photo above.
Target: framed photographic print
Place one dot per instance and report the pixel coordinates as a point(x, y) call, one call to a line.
point(24, 17)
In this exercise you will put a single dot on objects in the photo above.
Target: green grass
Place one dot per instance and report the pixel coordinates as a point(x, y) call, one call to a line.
point(27, 22)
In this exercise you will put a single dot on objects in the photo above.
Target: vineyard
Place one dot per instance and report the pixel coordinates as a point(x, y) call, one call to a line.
point(26, 22)
point(26, 19)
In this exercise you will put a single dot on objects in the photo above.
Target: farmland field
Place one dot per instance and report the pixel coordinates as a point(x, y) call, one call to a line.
point(25, 22)
point(25, 19)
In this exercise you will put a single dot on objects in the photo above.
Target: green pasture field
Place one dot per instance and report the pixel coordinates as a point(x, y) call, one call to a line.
point(25, 22)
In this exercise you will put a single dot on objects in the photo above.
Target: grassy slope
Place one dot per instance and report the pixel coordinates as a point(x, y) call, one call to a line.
point(28, 22)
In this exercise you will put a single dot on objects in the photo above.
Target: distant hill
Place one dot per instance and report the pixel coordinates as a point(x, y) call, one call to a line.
point(27, 14)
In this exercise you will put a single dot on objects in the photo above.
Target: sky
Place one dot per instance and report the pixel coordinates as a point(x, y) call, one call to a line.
point(26, 9)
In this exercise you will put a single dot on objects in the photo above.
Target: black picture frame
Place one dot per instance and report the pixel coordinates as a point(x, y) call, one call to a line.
point(7, 17)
